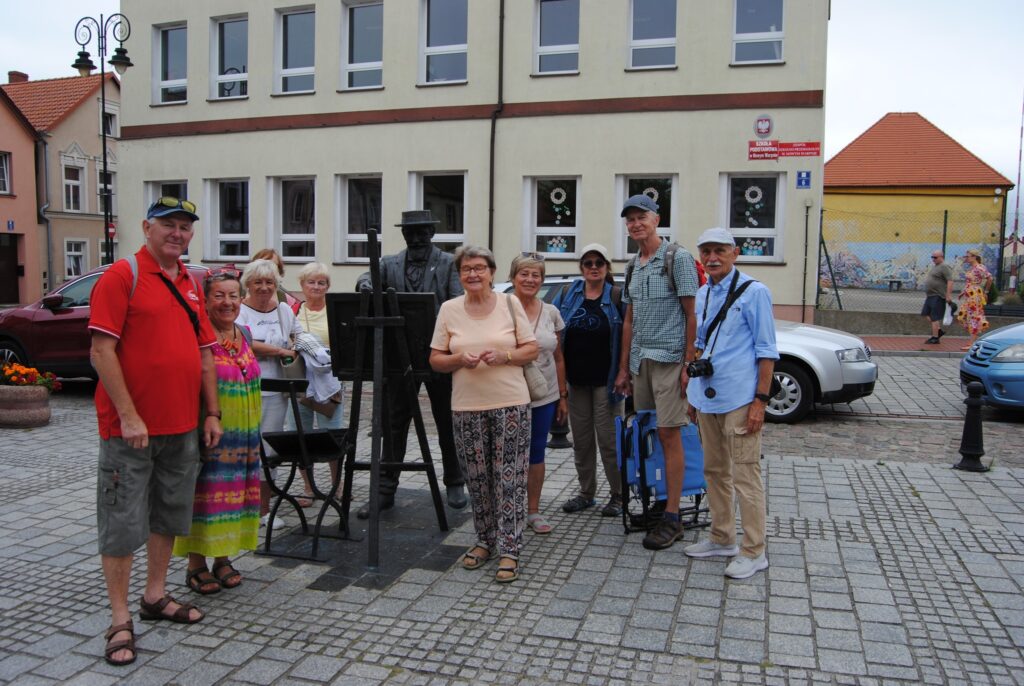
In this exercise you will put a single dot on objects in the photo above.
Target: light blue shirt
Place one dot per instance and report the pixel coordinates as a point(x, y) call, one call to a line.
point(746, 335)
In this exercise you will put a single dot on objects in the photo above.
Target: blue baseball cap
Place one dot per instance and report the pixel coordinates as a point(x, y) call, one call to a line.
point(641, 201)
point(167, 205)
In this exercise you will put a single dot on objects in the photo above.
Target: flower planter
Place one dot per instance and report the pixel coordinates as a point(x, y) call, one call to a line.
point(23, 407)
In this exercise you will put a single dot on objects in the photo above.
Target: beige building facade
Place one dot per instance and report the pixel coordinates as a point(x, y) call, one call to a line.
point(523, 125)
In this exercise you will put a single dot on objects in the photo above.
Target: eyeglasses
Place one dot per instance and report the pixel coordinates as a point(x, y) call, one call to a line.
point(532, 255)
point(225, 273)
point(176, 203)
point(590, 264)
point(474, 269)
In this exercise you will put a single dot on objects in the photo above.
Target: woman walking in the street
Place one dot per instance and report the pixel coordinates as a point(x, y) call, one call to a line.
point(974, 297)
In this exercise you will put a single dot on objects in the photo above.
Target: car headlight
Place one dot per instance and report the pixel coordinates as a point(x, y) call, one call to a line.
point(852, 355)
point(1012, 353)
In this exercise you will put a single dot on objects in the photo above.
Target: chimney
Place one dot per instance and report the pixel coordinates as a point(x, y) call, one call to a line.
point(17, 77)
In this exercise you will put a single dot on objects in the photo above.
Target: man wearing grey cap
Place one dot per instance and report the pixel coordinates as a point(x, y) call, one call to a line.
point(658, 333)
point(728, 392)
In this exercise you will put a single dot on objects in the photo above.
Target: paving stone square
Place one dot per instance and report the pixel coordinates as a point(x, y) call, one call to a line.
point(886, 567)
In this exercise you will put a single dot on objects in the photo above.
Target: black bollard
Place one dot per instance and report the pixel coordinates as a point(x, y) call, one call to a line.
point(972, 444)
point(559, 434)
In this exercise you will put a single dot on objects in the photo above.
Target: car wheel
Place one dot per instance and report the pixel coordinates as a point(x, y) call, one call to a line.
point(795, 399)
point(11, 353)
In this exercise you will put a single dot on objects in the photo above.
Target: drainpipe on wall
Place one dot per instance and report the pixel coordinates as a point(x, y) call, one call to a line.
point(499, 106)
point(1002, 242)
point(803, 290)
point(45, 218)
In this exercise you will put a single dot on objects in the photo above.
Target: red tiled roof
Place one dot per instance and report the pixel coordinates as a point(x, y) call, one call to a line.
point(47, 102)
point(905, 149)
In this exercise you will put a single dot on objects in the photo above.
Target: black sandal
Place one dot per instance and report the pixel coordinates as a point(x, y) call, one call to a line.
point(129, 644)
point(154, 612)
point(232, 574)
point(194, 580)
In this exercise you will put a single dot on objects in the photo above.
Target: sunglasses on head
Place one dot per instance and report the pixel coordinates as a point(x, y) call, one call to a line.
point(590, 264)
point(175, 203)
point(228, 271)
point(532, 255)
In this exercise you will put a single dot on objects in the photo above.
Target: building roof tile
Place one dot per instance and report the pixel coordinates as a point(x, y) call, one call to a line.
point(48, 102)
point(905, 149)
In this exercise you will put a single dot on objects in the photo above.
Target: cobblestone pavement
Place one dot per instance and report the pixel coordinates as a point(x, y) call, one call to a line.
point(886, 567)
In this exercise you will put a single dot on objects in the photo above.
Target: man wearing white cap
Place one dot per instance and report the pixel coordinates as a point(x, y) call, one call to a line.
point(728, 391)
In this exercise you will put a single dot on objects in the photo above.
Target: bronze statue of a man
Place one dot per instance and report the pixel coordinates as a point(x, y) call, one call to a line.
point(420, 268)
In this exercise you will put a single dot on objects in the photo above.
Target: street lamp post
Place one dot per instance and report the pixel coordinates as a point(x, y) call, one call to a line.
point(120, 28)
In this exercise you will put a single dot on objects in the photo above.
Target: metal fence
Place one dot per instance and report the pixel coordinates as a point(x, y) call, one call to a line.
point(876, 262)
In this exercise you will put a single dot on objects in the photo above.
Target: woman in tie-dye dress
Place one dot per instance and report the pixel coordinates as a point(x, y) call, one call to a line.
point(225, 517)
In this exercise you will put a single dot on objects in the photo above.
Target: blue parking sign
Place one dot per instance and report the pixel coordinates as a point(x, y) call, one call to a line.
point(803, 179)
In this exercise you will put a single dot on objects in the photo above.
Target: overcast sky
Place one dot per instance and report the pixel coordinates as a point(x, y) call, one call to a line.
point(958, 63)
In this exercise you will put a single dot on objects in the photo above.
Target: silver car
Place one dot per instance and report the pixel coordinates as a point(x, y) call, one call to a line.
point(816, 365)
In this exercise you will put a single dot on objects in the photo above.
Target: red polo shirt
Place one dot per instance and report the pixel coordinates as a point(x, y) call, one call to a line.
point(157, 346)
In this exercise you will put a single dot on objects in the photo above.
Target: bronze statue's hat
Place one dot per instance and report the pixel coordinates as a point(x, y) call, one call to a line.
point(417, 218)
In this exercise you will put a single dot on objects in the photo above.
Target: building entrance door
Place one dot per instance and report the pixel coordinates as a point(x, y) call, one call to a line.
point(9, 268)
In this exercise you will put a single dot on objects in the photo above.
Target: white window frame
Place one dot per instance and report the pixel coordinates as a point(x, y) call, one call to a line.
point(416, 202)
point(621, 249)
point(530, 229)
point(762, 37)
point(350, 67)
point(216, 78)
point(100, 185)
point(158, 83)
point(280, 73)
point(5, 174)
point(635, 44)
point(275, 223)
point(565, 49)
point(214, 237)
point(114, 112)
point(81, 185)
point(101, 250)
point(341, 182)
point(431, 51)
point(83, 254)
point(777, 232)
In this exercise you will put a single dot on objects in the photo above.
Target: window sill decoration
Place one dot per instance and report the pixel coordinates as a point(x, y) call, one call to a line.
point(557, 243)
point(754, 247)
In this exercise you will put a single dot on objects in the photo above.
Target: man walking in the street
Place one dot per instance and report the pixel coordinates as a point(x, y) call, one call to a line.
point(420, 268)
point(938, 286)
point(658, 333)
point(728, 394)
point(151, 349)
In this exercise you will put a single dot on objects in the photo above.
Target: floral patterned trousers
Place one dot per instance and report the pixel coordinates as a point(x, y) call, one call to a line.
point(493, 447)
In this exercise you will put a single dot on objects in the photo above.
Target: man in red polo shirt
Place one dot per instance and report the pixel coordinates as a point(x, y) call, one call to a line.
point(151, 349)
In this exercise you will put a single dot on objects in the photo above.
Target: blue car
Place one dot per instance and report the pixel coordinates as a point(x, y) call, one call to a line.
point(997, 361)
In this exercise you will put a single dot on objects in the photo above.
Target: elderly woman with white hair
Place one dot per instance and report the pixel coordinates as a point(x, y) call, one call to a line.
point(315, 281)
point(273, 326)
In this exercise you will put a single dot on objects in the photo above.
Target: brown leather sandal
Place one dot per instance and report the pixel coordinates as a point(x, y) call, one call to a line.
point(113, 647)
point(154, 612)
point(202, 582)
point(231, 575)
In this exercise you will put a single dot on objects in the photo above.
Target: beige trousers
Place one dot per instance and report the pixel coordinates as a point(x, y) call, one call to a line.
point(732, 464)
point(592, 415)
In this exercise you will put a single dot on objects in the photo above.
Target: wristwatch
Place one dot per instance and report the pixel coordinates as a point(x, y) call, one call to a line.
point(214, 414)
point(508, 357)
point(763, 397)
point(563, 394)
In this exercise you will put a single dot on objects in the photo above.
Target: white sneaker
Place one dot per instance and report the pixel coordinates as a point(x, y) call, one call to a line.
point(279, 523)
point(742, 567)
point(711, 549)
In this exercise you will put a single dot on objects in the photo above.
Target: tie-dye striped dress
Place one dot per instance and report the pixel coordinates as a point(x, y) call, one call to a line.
point(225, 516)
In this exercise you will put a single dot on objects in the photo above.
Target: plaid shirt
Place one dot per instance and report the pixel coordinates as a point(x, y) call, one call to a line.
point(659, 324)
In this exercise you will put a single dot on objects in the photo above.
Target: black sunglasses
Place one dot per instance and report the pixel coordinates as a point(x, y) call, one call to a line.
point(590, 264)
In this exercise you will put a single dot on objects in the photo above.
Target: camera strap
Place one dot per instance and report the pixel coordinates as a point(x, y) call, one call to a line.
point(730, 297)
point(192, 317)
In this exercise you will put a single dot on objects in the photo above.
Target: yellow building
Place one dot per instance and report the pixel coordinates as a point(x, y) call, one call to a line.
point(901, 190)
